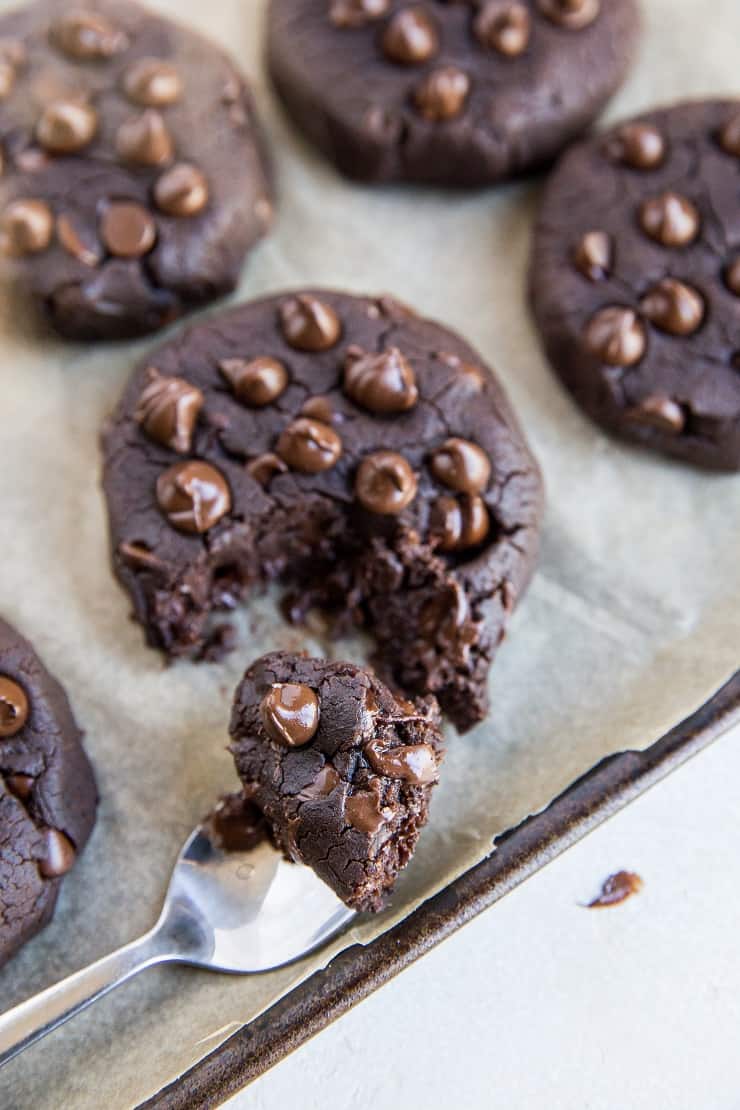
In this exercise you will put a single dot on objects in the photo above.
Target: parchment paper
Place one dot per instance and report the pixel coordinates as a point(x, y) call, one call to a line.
point(630, 625)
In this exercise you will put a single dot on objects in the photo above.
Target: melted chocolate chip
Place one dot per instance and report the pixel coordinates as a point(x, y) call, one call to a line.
point(616, 336)
point(256, 382)
point(193, 496)
point(79, 239)
point(88, 36)
point(638, 145)
point(309, 446)
point(13, 707)
point(594, 255)
point(504, 26)
point(128, 229)
point(660, 412)
point(385, 483)
point(461, 465)
point(66, 126)
point(181, 190)
point(381, 383)
point(357, 13)
point(236, 824)
point(412, 763)
point(168, 410)
point(152, 82)
point(670, 219)
point(571, 14)
point(363, 811)
point(674, 307)
point(59, 856)
point(264, 468)
point(26, 227)
point(729, 136)
point(442, 94)
point(459, 523)
point(410, 37)
point(144, 140)
point(617, 889)
point(326, 781)
point(290, 713)
point(309, 324)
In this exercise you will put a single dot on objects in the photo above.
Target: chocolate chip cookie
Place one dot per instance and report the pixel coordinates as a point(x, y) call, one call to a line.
point(134, 173)
point(47, 792)
point(341, 769)
point(443, 92)
point(361, 455)
point(635, 280)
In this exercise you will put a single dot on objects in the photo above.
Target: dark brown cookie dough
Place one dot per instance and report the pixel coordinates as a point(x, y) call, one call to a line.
point(452, 93)
point(635, 280)
point(134, 176)
point(341, 769)
point(363, 456)
point(47, 792)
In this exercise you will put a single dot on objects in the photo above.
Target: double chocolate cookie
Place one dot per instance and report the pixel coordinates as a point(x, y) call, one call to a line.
point(346, 447)
point(453, 92)
point(47, 792)
point(341, 769)
point(635, 280)
point(134, 177)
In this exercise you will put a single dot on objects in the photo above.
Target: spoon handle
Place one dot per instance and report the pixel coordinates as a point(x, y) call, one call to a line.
point(33, 1019)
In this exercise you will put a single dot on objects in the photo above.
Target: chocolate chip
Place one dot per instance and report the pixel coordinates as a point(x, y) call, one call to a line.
point(181, 190)
point(256, 382)
point(364, 812)
point(20, 786)
point(460, 522)
point(128, 229)
point(264, 468)
point(729, 136)
point(616, 336)
point(442, 94)
point(732, 277)
point(88, 36)
point(594, 255)
point(290, 713)
point(145, 140)
point(309, 324)
point(571, 14)
point(638, 145)
point(32, 159)
point(381, 383)
point(326, 780)
point(670, 219)
point(357, 13)
point(309, 446)
point(66, 126)
point(659, 412)
point(26, 227)
point(461, 465)
point(505, 26)
point(79, 239)
point(13, 707)
point(320, 408)
point(674, 307)
point(7, 78)
point(411, 37)
point(138, 555)
point(152, 82)
point(168, 410)
point(193, 496)
point(385, 483)
point(59, 855)
point(412, 763)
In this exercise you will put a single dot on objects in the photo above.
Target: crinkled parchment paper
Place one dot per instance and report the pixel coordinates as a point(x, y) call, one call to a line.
point(631, 623)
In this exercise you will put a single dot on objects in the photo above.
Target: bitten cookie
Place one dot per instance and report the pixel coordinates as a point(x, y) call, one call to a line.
point(635, 280)
point(452, 93)
point(341, 770)
point(363, 456)
point(47, 792)
point(134, 173)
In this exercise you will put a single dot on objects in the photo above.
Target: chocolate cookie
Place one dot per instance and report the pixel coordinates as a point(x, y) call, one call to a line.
point(340, 768)
point(47, 792)
point(444, 92)
point(635, 279)
point(344, 446)
point(134, 175)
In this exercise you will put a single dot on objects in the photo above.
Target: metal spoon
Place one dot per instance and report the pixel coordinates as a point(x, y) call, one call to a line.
point(225, 911)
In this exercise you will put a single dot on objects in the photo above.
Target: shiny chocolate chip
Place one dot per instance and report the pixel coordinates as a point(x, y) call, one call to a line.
point(357, 13)
point(321, 408)
point(88, 36)
point(573, 15)
point(26, 227)
point(442, 94)
point(144, 140)
point(79, 239)
point(616, 336)
point(152, 83)
point(659, 412)
point(59, 855)
point(729, 136)
point(168, 410)
point(504, 26)
point(309, 324)
point(459, 523)
point(674, 307)
point(13, 707)
point(412, 763)
point(594, 255)
point(266, 467)
point(290, 713)
point(364, 812)
point(670, 219)
point(181, 190)
point(309, 446)
point(411, 37)
point(381, 383)
point(20, 786)
point(66, 126)
point(385, 483)
point(640, 146)
point(461, 465)
point(193, 496)
point(255, 382)
point(128, 229)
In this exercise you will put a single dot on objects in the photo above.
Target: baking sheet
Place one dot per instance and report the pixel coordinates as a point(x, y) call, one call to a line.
point(629, 626)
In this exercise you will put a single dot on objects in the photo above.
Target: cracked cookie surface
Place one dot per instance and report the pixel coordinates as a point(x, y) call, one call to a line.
point(451, 93)
point(341, 769)
point(47, 792)
point(361, 455)
point(635, 280)
point(134, 174)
